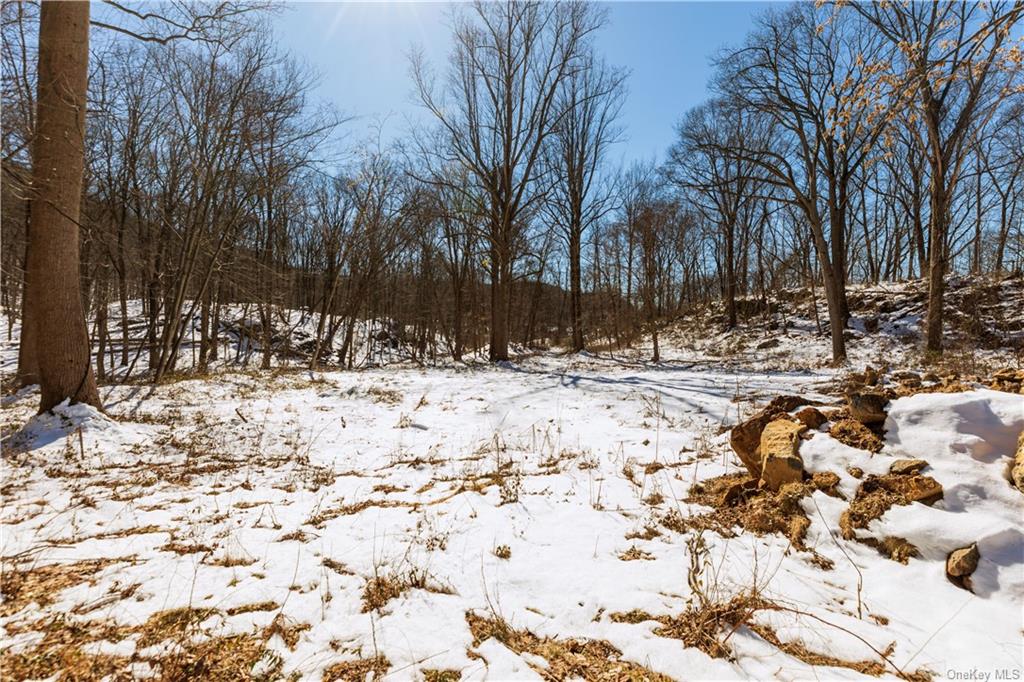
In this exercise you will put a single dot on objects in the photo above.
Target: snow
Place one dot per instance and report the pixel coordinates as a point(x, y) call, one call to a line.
point(422, 473)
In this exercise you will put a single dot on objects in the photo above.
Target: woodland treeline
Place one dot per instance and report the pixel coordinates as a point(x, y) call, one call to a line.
point(845, 142)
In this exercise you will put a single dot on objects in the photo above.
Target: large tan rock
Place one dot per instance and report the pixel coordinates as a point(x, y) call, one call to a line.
point(923, 489)
point(780, 455)
point(907, 467)
point(745, 437)
point(867, 407)
point(1017, 467)
point(961, 563)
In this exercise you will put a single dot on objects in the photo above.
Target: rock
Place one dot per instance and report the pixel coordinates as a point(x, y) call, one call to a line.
point(964, 561)
point(811, 417)
point(923, 489)
point(856, 472)
point(1017, 466)
point(745, 437)
point(907, 466)
point(1008, 374)
point(961, 563)
point(780, 458)
point(768, 343)
point(867, 407)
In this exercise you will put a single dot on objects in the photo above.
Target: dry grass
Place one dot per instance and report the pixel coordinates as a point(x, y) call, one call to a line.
point(379, 590)
point(634, 553)
point(250, 608)
point(386, 396)
point(434, 675)
point(359, 670)
point(586, 659)
point(61, 652)
point(383, 587)
point(42, 584)
point(186, 547)
point(710, 624)
point(288, 629)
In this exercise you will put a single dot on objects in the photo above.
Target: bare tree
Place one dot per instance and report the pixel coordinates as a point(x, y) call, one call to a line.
point(952, 66)
point(497, 108)
point(591, 98)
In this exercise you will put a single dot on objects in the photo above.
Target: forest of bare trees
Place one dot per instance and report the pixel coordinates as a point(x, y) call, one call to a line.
point(842, 143)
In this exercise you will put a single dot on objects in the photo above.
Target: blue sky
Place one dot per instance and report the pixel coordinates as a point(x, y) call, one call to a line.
point(361, 51)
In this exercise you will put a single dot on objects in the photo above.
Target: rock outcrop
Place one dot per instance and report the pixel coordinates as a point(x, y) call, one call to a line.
point(745, 437)
point(1017, 466)
point(780, 456)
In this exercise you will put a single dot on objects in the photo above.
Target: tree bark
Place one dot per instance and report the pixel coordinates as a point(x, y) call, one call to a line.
point(499, 303)
point(576, 291)
point(28, 358)
point(58, 160)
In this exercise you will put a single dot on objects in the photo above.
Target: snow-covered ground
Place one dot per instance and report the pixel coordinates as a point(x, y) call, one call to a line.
point(385, 522)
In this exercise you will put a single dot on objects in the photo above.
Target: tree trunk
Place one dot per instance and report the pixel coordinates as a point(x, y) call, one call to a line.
point(58, 160)
point(28, 357)
point(730, 275)
point(936, 266)
point(101, 324)
point(499, 304)
point(576, 290)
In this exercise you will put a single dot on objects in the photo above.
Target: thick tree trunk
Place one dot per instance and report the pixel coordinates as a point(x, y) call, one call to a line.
point(576, 290)
point(837, 322)
point(58, 159)
point(499, 304)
